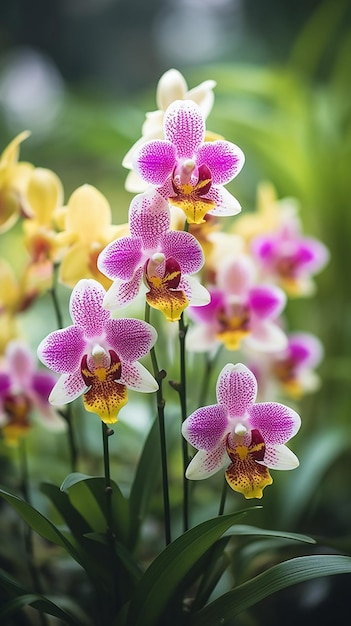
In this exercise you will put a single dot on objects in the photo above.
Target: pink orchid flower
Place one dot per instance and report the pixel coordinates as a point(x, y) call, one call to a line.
point(291, 371)
point(241, 312)
point(188, 171)
point(237, 434)
point(97, 356)
point(163, 258)
point(24, 390)
point(289, 258)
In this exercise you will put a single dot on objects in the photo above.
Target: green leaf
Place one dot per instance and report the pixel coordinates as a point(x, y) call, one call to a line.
point(286, 574)
point(88, 496)
point(38, 522)
point(75, 522)
point(146, 478)
point(41, 604)
point(166, 572)
point(262, 532)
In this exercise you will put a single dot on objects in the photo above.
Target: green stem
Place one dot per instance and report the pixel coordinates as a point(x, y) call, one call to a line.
point(160, 376)
point(106, 433)
point(223, 498)
point(28, 533)
point(73, 452)
point(183, 406)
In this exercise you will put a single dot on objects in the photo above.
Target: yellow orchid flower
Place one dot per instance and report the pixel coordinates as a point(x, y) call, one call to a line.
point(87, 230)
point(13, 180)
point(265, 219)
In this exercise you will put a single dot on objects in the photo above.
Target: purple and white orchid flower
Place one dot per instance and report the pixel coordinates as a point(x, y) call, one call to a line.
point(241, 312)
point(97, 356)
point(163, 258)
point(24, 390)
point(245, 438)
point(188, 171)
point(289, 258)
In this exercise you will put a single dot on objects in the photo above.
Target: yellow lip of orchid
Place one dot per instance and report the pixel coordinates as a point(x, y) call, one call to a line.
point(13, 180)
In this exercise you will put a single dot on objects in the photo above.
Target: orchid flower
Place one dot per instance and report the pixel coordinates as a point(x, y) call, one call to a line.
point(13, 179)
point(44, 196)
point(171, 86)
point(245, 438)
point(97, 356)
point(289, 258)
point(163, 258)
point(187, 171)
point(240, 311)
point(87, 229)
point(24, 389)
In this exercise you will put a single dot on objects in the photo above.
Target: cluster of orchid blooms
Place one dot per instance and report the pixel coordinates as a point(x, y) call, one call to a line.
point(232, 285)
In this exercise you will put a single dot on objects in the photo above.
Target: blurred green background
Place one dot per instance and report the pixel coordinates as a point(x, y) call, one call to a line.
point(80, 74)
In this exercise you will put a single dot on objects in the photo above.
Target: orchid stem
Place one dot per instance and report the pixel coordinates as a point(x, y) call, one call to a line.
point(28, 536)
point(183, 405)
point(106, 433)
point(223, 498)
point(159, 376)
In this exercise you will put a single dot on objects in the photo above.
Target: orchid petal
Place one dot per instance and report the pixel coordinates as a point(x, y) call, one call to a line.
point(203, 96)
point(276, 422)
point(235, 276)
point(206, 464)
point(171, 86)
point(21, 364)
point(267, 301)
point(121, 258)
point(223, 158)
point(206, 427)
point(86, 307)
point(62, 350)
point(131, 338)
point(105, 399)
point(196, 293)
point(185, 248)
point(266, 336)
point(236, 389)
point(280, 457)
point(184, 127)
point(225, 203)
point(154, 161)
point(136, 376)
point(121, 293)
point(201, 338)
point(149, 218)
point(68, 388)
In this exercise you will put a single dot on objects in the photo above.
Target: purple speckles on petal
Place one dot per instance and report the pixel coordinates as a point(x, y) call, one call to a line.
point(275, 421)
point(154, 161)
point(184, 126)
point(131, 338)
point(86, 307)
point(224, 160)
point(62, 350)
point(236, 389)
point(206, 427)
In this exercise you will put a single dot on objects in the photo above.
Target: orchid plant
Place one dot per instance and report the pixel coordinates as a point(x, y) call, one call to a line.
point(192, 291)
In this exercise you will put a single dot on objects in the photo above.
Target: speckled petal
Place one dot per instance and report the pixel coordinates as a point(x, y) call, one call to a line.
point(206, 427)
point(280, 457)
point(121, 258)
point(121, 293)
point(185, 249)
point(225, 203)
point(136, 376)
point(68, 388)
point(62, 350)
point(223, 158)
point(205, 464)
point(184, 127)
point(86, 307)
point(149, 218)
point(276, 422)
point(236, 389)
point(130, 338)
point(154, 161)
